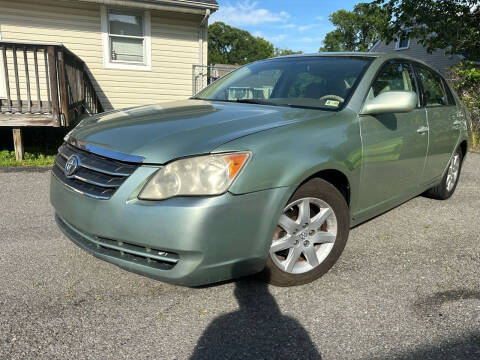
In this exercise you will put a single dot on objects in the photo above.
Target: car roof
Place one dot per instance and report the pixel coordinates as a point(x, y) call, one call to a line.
point(346, 54)
point(355, 54)
point(373, 55)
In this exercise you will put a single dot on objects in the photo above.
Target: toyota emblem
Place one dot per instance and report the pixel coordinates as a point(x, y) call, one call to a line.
point(71, 165)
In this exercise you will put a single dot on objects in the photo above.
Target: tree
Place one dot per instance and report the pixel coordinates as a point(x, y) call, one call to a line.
point(284, 52)
point(453, 25)
point(229, 45)
point(465, 77)
point(356, 30)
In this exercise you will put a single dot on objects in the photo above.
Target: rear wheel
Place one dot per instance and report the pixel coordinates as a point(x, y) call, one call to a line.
point(310, 235)
point(449, 182)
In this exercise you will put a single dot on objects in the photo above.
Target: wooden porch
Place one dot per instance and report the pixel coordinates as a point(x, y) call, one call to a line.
point(44, 85)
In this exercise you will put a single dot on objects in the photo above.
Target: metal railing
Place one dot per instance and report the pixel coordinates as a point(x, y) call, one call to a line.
point(203, 75)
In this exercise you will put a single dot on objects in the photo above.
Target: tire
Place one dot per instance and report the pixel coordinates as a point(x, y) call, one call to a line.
point(447, 186)
point(323, 239)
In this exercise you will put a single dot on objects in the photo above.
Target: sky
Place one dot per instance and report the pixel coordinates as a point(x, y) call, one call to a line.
point(293, 24)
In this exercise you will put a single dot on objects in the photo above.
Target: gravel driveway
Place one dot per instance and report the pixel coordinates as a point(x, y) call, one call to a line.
point(406, 287)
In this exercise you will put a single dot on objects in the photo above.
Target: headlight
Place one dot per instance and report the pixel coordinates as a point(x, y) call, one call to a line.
point(201, 175)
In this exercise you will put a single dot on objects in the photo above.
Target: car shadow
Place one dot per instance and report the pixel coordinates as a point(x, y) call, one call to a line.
point(257, 330)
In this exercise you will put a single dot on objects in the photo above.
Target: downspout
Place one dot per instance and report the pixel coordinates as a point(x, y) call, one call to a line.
point(201, 34)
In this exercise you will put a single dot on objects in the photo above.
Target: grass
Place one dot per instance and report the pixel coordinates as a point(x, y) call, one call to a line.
point(34, 158)
point(41, 146)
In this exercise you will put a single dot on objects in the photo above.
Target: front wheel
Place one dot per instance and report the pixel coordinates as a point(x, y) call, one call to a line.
point(310, 235)
point(449, 182)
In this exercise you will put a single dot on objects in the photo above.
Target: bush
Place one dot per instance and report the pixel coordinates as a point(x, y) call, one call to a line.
point(466, 80)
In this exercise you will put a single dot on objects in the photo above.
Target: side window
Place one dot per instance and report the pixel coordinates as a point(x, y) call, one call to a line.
point(450, 98)
point(394, 76)
point(433, 91)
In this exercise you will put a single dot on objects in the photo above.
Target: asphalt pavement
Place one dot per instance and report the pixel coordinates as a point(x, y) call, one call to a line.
point(406, 287)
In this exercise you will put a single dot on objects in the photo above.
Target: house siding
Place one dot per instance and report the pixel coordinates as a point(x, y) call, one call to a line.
point(174, 40)
point(438, 59)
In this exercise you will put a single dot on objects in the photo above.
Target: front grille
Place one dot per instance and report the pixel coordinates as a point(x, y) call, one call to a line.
point(97, 176)
point(155, 258)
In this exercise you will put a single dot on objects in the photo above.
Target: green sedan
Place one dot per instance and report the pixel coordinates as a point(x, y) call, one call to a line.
point(264, 171)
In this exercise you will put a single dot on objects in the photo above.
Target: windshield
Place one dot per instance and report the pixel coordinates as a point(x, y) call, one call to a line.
point(316, 82)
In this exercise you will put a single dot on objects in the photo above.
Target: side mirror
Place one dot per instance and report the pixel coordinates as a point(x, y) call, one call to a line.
point(390, 102)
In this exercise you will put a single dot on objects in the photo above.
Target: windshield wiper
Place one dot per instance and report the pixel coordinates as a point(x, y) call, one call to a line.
point(254, 101)
point(309, 107)
point(245, 101)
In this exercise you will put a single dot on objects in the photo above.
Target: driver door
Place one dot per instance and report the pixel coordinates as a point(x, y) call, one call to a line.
point(394, 145)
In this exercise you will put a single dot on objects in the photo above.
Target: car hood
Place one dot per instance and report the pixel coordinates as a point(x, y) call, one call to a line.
point(166, 131)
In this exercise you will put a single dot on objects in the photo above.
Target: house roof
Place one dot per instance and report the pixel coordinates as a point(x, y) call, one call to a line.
point(211, 2)
point(208, 3)
point(189, 6)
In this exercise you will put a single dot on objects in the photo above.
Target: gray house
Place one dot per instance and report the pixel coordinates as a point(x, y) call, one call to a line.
point(411, 47)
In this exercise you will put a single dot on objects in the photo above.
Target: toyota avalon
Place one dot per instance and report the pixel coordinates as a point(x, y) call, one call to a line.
point(264, 171)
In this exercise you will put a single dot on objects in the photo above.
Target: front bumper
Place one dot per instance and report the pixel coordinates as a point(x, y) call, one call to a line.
point(212, 238)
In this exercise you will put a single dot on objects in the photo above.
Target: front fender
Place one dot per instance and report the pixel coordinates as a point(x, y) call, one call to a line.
point(288, 155)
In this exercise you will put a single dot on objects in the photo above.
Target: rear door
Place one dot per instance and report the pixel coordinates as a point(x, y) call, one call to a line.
point(394, 145)
point(442, 112)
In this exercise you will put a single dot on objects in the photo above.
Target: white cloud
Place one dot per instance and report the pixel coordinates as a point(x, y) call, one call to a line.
point(247, 13)
point(277, 38)
point(320, 18)
point(301, 28)
point(306, 27)
point(308, 39)
point(274, 39)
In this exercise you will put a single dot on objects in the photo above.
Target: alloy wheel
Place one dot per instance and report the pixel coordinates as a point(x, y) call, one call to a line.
point(305, 235)
point(453, 171)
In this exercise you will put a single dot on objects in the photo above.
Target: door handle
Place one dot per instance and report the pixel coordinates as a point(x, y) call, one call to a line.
point(458, 124)
point(422, 130)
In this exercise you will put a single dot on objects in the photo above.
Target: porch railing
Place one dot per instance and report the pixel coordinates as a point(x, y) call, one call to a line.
point(44, 84)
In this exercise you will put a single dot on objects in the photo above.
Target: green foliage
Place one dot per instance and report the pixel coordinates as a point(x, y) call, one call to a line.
point(284, 52)
point(466, 79)
point(356, 30)
point(7, 158)
point(468, 74)
point(229, 45)
point(436, 24)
